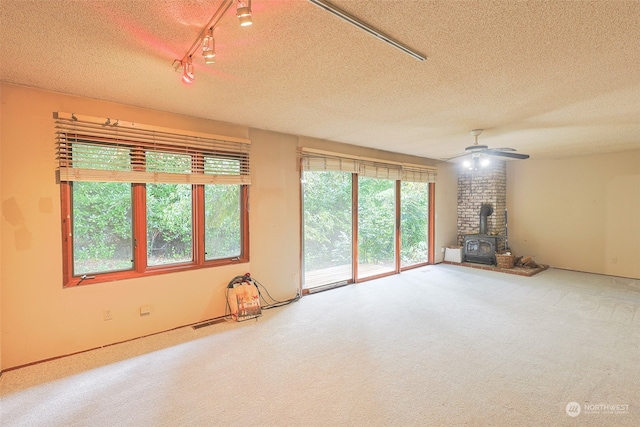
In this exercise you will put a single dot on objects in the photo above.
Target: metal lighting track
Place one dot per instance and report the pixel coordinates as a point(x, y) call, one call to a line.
point(367, 28)
point(215, 19)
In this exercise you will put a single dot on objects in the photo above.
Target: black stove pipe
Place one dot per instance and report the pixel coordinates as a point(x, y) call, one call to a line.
point(485, 211)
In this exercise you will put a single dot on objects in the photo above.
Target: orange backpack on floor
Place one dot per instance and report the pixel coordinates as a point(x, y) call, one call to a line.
point(243, 299)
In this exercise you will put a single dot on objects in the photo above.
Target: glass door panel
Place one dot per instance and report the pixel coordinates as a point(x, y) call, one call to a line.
point(414, 221)
point(327, 227)
point(376, 226)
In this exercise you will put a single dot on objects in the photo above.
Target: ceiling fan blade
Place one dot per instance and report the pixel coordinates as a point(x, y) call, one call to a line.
point(455, 157)
point(504, 149)
point(507, 154)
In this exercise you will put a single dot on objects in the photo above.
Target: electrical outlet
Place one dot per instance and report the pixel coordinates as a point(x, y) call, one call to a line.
point(106, 314)
point(614, 260)
point(145, 310)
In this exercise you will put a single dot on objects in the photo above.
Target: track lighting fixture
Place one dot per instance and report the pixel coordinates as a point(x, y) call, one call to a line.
point(205, 38)
point(209, 48)
point(323, 4)
point(244, 13)
point(187, 72)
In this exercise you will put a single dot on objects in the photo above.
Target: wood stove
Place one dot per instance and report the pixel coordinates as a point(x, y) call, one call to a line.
point(480, 248)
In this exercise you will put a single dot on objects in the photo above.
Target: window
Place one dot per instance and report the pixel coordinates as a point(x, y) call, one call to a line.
point(362, 218)
point(140, 200)
point(376, 226)
point(327, 216)
point(414, 219)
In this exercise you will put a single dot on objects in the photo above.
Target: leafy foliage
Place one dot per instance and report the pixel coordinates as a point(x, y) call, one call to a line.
point(102, 226)
point(414, 222)
point(328, 219)
point(222, 221)
point(376, 221)
point(169, 223)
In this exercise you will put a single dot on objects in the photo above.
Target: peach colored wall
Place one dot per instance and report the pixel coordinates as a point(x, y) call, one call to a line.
point(580, 213)
point(1, 224)
point(275, 213)
point(446, 208)
point(39, 319)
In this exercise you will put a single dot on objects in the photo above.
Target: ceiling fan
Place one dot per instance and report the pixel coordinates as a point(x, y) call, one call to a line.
point(477, 151)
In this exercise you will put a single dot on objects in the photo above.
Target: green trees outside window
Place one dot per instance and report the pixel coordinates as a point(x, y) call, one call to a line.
point(327, 222)
point(223, 238)
point(140, 200)
point(376, 226)
point(102, 227)
point(328, 225)
point(169, 224)
point(414, 221)
point(102, 216)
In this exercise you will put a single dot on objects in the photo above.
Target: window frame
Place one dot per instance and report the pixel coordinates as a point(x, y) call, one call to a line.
point(140, 267)
point(312, 159)
point(75, 130)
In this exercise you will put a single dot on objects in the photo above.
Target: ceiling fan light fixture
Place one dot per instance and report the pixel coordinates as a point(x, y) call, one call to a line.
point(481, 153)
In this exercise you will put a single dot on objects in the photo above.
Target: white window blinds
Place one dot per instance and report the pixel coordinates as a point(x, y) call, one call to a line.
point(94, 149)
point(317, 160)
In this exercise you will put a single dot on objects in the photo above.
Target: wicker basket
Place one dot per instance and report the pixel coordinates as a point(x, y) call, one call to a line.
point(505, 261)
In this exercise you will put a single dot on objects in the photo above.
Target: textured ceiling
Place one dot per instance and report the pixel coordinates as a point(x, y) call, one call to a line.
point(548, 78)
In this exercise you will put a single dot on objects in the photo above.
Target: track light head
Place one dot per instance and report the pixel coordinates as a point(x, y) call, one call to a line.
point(244, 13)
point(187, 74)
point(205, 39)
point(209, 48)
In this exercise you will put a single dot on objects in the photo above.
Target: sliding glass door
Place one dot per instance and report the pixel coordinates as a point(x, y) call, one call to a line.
point(376, 226)
point(414, 223)
point(327, 227)
point(362, 219)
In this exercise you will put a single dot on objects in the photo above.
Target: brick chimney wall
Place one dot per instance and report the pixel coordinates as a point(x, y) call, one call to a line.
point(475, 187)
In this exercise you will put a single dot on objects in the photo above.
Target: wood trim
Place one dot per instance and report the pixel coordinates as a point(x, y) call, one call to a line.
point(301, 272)
point(139, 227)
point(432, 223)
point(140, 268)
point(198, 224)
point(354, 226)
point(65, 226)
point(398, 236)
point(244, 218)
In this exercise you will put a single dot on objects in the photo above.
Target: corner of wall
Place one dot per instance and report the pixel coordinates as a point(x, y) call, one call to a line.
point(1, 221)
point(446, 208)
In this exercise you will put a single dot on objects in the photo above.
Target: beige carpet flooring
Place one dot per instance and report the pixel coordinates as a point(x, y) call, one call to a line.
point(437, 346)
